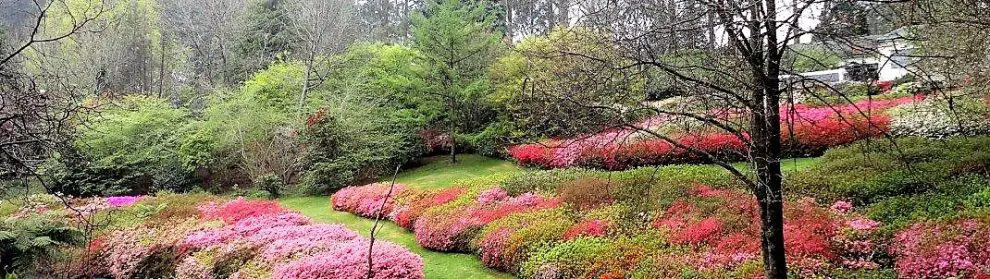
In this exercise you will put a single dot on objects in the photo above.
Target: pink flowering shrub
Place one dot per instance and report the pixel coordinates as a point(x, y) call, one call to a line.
point(367, 200)
point(943, 249)
point(350, 260)
point(255, 238)
point(250, 225)
point(121, 201)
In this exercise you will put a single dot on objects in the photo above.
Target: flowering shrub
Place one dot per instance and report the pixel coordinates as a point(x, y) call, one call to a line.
point(594, 227)
point(943, 249)
point(723, 227)
point(254, 239)
point(505, 243)
point(805, 130)
point(350, 260)
point(939, 118)
point(121, 201)
point(367, 200)
point(405, 215)
point(238, 209)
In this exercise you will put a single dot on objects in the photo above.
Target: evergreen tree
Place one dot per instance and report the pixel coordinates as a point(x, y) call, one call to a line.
point(459, 42)
point(267, 35)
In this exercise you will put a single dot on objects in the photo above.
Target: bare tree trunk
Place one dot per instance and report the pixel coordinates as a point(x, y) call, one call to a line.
point(309, 69)
point(564, 15)
point(453, 149)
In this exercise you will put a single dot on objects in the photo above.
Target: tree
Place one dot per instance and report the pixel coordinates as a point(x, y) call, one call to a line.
point(458, 42)
point(267, 34)
point(727, 55)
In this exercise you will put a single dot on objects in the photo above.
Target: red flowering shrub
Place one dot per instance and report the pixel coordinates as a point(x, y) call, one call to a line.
point(805, 129)
point(531, 155)
point(405, 215)
point(724, 228)
point(943, 249)
point(367, 200)
point(593, 228)
point(239, 209)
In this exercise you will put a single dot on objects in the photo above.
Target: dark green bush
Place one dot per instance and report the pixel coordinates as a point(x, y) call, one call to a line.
point(25, 240)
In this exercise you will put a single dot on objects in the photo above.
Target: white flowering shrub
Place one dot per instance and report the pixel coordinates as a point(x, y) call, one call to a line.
point(935, 118)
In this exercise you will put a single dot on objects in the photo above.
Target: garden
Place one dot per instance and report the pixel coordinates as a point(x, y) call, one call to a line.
point(543, 139)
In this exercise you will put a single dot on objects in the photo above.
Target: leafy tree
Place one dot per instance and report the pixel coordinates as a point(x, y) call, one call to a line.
point(130, 147)
point(458, 43)
point(531, 82)
point(267, 34)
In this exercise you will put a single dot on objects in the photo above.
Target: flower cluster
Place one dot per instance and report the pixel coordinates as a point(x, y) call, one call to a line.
point(589, 228)
point(367, 200)
point(255, 239)
point(121, 201)
point(238, 209)
point(723, 227)
point(943, 249)
point(349, 260)
point(405, 215)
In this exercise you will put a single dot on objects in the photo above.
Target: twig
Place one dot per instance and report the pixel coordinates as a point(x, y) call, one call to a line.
point(378, 218)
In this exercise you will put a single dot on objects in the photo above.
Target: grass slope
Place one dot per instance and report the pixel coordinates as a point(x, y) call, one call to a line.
point(437, 172)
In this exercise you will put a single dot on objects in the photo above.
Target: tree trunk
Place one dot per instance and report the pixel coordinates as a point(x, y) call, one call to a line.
point(453, 149)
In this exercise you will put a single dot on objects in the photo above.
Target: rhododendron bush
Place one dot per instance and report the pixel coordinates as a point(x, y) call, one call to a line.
point(247, 239)
point(805, 130)
point(943, 249)
point(367, 200)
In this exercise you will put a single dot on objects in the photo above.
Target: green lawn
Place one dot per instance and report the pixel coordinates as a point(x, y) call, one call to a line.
point(435, 173)
point(437, 265)
point(438, 172)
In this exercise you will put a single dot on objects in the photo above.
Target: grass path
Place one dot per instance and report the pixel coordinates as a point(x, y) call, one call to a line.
point(436, 173)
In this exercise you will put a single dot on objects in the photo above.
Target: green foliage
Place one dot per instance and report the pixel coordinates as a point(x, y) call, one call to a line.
point(457, 43)
point(592, 257)
point(266, 35)
point(812, 59)
point(547, 92)
point(870, 172)
point(27, 239)
point(134, 145)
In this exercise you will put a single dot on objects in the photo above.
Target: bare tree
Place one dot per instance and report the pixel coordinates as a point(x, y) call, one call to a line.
point(728, 58)
point(324, 28)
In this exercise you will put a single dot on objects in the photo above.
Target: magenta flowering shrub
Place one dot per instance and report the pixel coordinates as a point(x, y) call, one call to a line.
point(121, 201)
point(366, 200)
point(249, 226)
point(943, 249)
point(349, 260)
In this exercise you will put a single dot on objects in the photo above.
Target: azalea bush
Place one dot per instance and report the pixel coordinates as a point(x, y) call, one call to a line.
point(367, 200)
point(806, 130)
point(943, 249)
point(246, 239)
